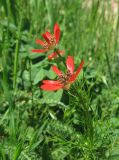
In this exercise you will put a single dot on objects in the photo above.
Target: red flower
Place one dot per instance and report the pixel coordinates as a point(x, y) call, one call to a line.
point(64, 80)
point(51, 41)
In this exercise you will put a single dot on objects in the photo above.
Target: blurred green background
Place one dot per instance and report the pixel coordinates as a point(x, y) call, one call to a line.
point(36, 124)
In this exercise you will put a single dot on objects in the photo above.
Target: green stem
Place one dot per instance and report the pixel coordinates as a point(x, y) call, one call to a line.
point(30, 76)
point(15, 64)
point(56, 50)
point(16, 57)
point(109, 67)
point(88, 119)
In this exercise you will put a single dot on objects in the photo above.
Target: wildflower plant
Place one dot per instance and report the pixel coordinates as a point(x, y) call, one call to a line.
point(64, 79)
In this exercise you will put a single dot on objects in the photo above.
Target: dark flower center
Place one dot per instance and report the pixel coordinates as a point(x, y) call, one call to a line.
point(64, 78)
point(52, 43)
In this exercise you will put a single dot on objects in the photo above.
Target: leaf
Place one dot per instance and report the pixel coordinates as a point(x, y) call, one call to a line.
point(114, 157)
point(26, 75)
point(17, 152)
point(104, 80)
point(52, 114)
point(39, 76)
point(30, 132)
point(52, 97)
point(50, 74)
point(113, 154)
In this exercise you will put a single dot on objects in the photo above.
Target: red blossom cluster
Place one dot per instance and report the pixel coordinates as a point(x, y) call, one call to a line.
point(51, 41)
point(64, 79)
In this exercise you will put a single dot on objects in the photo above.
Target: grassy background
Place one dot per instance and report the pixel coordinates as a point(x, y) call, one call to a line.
point(36, 124)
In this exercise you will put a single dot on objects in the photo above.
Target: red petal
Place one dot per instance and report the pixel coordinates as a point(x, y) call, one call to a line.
point(61, 52)
point(51, 87)
point(56, 70)
point(74, 76)
point(79, 68)
point(48, 34)
point(56, 32)
point(52, 55)
point(40, 42)
point(51, 82)
point(70, 64)
point(46, 38)
point(40, 50)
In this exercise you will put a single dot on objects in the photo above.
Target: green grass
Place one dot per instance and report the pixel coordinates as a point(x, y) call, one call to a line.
point(79, 124)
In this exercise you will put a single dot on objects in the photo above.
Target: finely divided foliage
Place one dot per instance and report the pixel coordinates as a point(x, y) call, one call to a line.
point(53, 106)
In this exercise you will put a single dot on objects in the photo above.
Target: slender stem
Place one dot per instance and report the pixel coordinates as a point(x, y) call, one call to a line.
point(109, 67)
point(56, 50)
point(88, 119)
point(16, 64)
point(30, 76)
point(16, 56)
point(72, 94)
